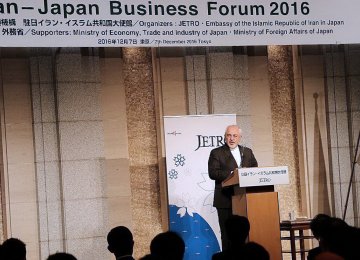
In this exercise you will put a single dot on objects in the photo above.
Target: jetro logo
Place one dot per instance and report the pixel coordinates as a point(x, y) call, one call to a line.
point(209, 141)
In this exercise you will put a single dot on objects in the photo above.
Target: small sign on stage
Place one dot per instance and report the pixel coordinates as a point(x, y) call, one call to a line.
point(249, 177)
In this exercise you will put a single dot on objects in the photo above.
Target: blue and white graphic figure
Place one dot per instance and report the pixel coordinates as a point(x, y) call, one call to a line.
point(200, 240)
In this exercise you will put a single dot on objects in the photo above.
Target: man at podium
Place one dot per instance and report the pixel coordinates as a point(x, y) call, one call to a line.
point(222, 162)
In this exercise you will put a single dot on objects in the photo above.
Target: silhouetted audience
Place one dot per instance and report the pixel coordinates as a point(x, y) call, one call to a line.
point(237, 228)
point(121, 243)
point(354, 242)
point(252, 251)
point(318, 226)
point(165, 246)
point(13, 249)
point(337, 241)
point(61, 256)
point(328, 256)
point(335, 237)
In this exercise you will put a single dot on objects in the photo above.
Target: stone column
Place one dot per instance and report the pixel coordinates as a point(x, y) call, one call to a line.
point(143, 151)
point(283, 113)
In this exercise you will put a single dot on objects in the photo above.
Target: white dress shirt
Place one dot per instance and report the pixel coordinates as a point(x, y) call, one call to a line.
point(237, 156)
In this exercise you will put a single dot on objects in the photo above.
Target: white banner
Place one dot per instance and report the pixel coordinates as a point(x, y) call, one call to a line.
point(249, 177)
point(101, 23)
point(189, 140)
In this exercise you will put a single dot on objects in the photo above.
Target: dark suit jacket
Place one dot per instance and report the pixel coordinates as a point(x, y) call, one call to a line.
point(220, 164)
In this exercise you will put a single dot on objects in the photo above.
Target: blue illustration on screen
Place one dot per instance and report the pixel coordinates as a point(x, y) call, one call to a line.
point(200, 240)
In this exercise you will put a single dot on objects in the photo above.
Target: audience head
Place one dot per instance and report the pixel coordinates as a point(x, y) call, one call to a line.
point(319, 225)
point(253, 251)
point(13, 249)
point(61, 256)
point(237, 228)
point(120, 241)
point(167, 245)
point(336, 238)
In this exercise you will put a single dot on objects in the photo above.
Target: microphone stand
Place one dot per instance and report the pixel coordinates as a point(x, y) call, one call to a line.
point(351, 176)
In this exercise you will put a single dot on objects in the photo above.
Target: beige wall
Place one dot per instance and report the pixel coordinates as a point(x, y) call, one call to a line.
point(261, 111)
point(66, 176)
point(117, 177)
point(342, 72)
point(316, 142)
point(19, 176)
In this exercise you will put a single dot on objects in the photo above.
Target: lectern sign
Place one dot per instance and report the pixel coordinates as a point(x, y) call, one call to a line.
point(263, 176)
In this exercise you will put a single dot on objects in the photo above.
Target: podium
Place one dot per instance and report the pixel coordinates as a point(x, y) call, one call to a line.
point(259, 204)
